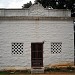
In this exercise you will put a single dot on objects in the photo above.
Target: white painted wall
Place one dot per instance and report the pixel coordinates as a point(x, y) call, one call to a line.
point(36, 10)
point(36, 31)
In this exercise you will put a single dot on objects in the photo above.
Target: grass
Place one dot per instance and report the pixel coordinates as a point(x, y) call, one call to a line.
point(14, 72)
point(56, 69)
point(1, 73)
point(68, 69)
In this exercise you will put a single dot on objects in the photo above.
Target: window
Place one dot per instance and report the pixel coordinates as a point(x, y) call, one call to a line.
point(17, 48)
point(56, 47)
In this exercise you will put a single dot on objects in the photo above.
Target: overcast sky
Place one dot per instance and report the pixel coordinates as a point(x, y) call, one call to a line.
point(13, 3)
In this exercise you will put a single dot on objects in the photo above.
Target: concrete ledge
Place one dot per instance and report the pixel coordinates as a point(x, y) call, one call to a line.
point(14, 68)
point(40, 70)
point(34, 18)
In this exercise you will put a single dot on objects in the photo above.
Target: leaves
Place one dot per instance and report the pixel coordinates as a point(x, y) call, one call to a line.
point(55, 4)
point(59, 4)
point(27, 5)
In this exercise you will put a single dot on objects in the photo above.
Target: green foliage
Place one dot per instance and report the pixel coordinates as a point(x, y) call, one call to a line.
point(70, 68)
point(55, 4)
point(7, 72)
point(27, 5)
point(52, 69)
point(59, 4)
point(4, 72)
point(56, 69)
point(28, 71)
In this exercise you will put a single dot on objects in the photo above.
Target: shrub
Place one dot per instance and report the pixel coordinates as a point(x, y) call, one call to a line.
point(70, 68)
point(47, 69)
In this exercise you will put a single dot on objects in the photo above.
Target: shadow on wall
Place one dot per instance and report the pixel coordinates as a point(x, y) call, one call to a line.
point(74, 43)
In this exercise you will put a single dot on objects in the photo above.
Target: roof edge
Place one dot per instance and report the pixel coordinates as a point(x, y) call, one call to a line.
point(35, 18)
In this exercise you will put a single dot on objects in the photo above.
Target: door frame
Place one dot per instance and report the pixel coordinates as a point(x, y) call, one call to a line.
point(42, 52)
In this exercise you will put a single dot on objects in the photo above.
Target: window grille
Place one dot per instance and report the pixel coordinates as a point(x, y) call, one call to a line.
point(56, 47)
point(17, 48)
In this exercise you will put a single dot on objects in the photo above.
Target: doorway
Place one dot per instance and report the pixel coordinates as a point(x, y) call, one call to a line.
point(36, 54)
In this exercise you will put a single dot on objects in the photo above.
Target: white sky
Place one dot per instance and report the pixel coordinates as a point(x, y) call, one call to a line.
point(13, 3)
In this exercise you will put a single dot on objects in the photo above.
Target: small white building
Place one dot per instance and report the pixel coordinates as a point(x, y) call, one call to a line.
point(36, 37)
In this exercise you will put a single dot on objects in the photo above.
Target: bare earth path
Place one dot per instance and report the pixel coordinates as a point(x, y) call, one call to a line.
point(55, 73)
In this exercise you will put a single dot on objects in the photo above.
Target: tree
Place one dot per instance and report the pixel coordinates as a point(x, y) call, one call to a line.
point(59, 4)
point(55, 4)
point(27, 5)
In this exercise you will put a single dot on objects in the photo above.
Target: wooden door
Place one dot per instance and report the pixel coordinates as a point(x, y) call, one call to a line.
point(36, 54)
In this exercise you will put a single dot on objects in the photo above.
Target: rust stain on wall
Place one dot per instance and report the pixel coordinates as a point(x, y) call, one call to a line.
point(61, 65)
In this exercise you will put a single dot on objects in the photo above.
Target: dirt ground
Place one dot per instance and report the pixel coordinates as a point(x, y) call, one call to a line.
point(55, 73)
